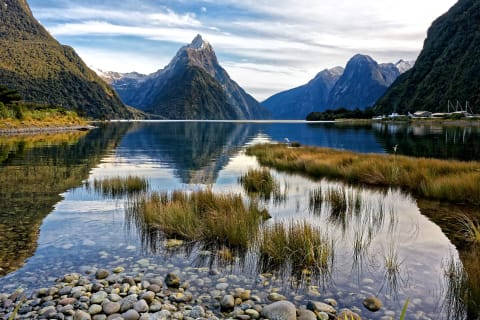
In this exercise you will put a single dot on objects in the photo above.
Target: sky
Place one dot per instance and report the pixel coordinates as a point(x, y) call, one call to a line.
point(266, 46)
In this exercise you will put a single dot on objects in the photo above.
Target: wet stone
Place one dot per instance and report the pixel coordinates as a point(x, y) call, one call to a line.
point(172, 280)
point(227, 302)
point(316, 306)
point(110, 307)
point(82, 315)
point(131, 315)
point(280, 310)
point(141, 306)
point(101, 274)
point(372, 303)
point(95, 309)
point(304, 314)
point(276, 297)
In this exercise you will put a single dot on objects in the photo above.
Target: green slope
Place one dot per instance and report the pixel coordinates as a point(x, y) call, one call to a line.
point(44, 71)
point(448, 67)
point(192, 94)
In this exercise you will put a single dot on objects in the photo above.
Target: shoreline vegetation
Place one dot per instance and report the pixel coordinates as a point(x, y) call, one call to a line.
point(17, 116)
point(444, 180)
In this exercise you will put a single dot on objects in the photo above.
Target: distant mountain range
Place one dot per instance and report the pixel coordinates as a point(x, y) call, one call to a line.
point(43, 71)
point(359, 85)
point(448, 68)
point(192, 86)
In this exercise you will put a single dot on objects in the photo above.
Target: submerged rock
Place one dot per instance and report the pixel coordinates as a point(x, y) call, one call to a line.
point(372, 303)
point(280, 310)
point(172, 280)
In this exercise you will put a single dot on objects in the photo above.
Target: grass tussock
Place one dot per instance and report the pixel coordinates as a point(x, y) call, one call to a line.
point(298, 243)
point(120, 186)
point(470, 228)
point(448, 180)
point(260, 182)
point(200, 216)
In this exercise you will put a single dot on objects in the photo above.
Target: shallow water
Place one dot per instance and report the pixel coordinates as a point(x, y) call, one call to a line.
point(82, 230)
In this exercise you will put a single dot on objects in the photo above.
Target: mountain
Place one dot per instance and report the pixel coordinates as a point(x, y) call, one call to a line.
point(359, 85)
point(192, 86)
point(296, 103)
point(448, 68)
point(42, 70)
point(362, 83)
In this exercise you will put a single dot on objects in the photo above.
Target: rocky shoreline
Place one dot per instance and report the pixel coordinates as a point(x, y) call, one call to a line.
point(108, 295)
point(36, 130)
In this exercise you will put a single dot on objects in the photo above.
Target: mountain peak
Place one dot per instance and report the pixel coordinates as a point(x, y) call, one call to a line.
point(198, 43)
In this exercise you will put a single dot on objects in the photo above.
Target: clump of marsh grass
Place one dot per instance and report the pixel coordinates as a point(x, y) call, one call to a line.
point(120, 186)
point(298, 244)
point(201, 215)
point(470, 228)
point(260, 182)
point(448, 180)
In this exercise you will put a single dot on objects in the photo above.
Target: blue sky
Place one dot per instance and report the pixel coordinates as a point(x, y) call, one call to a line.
point(266, 46)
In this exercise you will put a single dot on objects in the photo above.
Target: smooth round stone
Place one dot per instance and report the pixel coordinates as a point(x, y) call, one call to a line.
point(372, 303)
point(101, 274)
point(81, 315)
point(67, 301)
point(276, 297)
point(280, 310)
point(141, 306)
point(131, 315)
point(118, 270)
point(65, 291)
point(227, 302)
point(221, 286)
point(155, 307)
point(98, 297)
point(252, 313)
point(148, 296)
point(99, 317)
point(197, 312)
point(143, 263)
point(111, 307)
point(154, 288)
point(316, 306)
point(304, 314)
point(114, 297)
point(95, 309)
point(172, 280)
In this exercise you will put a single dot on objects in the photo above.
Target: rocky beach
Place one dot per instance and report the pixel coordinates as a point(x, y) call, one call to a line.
point(154, 292)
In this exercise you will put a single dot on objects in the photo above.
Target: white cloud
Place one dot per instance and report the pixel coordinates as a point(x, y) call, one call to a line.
point(266, 45)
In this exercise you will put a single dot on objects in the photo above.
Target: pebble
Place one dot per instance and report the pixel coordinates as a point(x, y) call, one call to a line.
point(372, 303)
point(276, 297)
point(280, 310)
point(227, 302)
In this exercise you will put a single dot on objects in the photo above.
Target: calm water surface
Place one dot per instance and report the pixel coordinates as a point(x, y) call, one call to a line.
point(45, 235)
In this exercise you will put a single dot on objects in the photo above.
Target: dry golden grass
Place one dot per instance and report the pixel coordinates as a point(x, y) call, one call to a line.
point(199, 216)
point(453, 181)
point(43, 119)
point(298, 243)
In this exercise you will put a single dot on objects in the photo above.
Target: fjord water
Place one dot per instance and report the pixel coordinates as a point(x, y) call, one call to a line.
point(53, 223)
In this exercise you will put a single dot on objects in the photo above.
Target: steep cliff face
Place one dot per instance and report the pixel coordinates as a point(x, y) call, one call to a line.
point(298, 102)
point(362, 83)
point(448, 67)
point(192, 86)
point(42, 70)
point(359, 85)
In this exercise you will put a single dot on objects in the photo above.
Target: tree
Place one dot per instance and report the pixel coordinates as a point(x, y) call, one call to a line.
point(7, 96)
